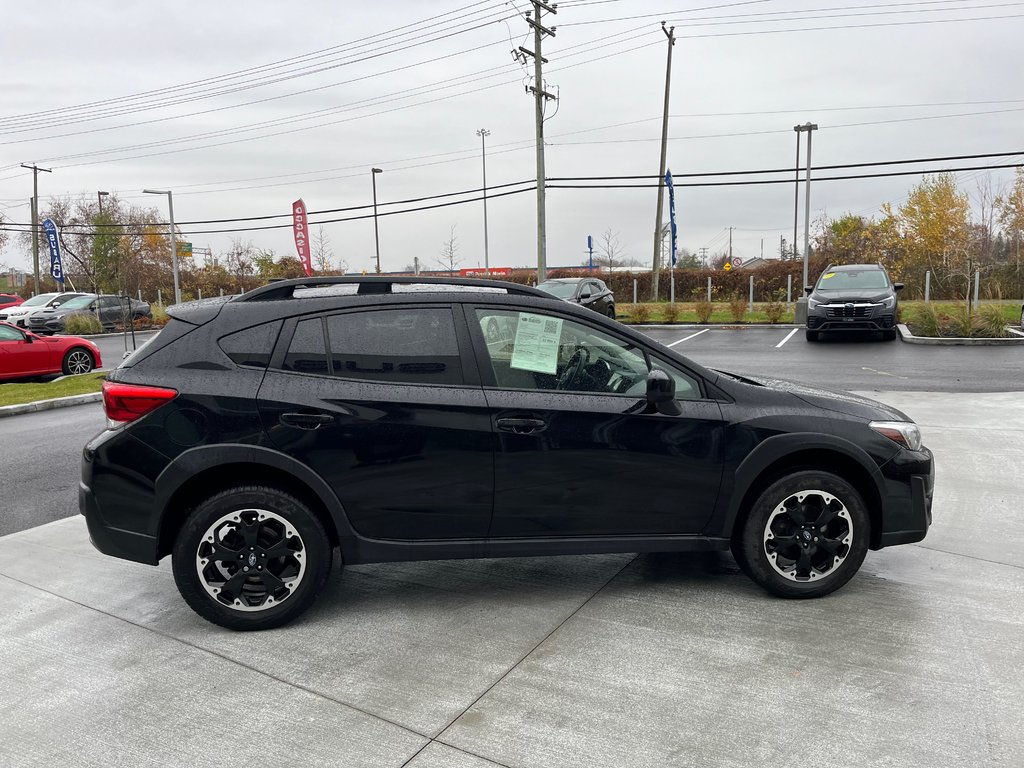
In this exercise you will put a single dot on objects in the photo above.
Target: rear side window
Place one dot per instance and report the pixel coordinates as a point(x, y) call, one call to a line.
point(409, 345)
point(307, 352)
point(252, 346)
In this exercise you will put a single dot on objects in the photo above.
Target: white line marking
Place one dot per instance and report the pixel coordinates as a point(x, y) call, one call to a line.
point(788, 337)
point(692, 335)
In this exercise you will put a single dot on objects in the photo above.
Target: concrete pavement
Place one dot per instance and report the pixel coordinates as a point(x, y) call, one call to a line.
point(622, 660)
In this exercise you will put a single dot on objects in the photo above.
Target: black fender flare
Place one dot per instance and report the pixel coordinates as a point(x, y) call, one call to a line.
point(778, 447)
point(202, 458)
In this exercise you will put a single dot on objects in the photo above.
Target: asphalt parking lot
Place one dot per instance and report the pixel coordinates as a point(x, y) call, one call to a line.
point(616, 660)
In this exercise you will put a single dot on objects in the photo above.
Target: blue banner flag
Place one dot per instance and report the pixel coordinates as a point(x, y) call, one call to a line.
point(56, 267)
point(671, 212)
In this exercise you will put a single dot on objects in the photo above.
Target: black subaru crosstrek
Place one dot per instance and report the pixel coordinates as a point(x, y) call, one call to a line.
point(257, 435)
point(853, 297)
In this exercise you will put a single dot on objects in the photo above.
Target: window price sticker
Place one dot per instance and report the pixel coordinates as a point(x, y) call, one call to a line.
point(537, 342)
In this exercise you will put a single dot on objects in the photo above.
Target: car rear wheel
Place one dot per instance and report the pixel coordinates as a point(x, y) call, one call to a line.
point(812, 335)
point(251, 558)
point(77, 361)
point(806, 535)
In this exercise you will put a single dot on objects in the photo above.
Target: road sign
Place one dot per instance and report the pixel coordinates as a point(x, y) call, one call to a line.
point(737, 261)
point(727, 266)
point(184, 249)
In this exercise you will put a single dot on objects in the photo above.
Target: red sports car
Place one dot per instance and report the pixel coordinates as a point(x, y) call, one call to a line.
point(9, 300)
point(23, 354)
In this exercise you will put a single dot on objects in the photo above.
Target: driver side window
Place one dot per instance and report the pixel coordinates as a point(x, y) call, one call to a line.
point(530, 350)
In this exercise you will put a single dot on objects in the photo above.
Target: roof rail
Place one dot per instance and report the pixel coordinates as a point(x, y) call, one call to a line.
point(378, 284)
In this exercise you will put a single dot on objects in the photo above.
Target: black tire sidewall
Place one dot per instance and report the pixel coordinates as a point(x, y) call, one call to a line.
point(318, 557)
point(749, 548)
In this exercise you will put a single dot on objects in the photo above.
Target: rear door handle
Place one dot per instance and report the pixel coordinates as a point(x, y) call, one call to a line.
point(521, 425)
point(306, 420)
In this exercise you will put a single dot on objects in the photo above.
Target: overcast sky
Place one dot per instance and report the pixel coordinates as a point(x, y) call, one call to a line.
point(744, 74)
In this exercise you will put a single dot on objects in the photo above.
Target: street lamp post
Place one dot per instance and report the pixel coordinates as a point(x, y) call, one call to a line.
point(376, 233)
point(483, 133)
point(174, 244)
point(99, 199)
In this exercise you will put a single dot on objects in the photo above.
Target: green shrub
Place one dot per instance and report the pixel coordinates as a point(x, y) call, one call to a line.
point(992, 323)
point(160, 316)
point(960, 324)
point(704, 309)
point(926, 322)
point(774, 310)
point(81, 323)
point(639, 313)
point(671, 313)
point(737, 308)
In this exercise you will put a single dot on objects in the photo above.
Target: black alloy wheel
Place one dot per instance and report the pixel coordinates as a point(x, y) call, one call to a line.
point(251, 558)
point(611, 312)
point(806, 535)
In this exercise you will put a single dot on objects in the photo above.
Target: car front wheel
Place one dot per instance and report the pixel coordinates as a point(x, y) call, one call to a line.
point(251, 558)
point(806, 535)
point(812, 335)
point(77, 361)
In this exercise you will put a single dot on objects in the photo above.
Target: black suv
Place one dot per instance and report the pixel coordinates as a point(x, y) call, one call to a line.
point(852, 297)
point(585, 291)
point(255, 435)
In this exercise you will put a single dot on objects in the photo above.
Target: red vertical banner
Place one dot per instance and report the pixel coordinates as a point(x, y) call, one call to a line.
point(300, 227)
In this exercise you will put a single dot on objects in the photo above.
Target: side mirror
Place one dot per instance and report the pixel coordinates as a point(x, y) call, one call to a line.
point(808, 289)
point(28, 338)
point(897, 286)
point(661, 393)
point(585, 295)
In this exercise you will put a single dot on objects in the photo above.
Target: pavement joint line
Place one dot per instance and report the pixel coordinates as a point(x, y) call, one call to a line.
point(541, 642)
point(691, 336)
point(788, 337)
point(969, 557)
point(224, 657)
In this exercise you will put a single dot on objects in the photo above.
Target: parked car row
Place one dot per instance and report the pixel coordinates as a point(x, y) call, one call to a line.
point(47, 313)
point(23, 354)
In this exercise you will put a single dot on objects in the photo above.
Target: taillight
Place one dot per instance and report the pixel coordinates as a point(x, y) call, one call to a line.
point(127, 402)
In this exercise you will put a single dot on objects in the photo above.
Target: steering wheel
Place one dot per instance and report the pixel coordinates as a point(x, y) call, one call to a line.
point(574, 367)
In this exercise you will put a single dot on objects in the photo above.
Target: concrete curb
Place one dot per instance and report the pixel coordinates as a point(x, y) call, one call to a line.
point(910, 338)
point(49, 405)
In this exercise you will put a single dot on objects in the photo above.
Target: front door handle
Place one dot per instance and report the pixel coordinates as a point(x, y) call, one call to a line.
point(306, 420)
point(521, 425)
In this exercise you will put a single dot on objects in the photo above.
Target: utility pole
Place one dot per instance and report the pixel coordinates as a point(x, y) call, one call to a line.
point(376, 233)
point(703, 256)
point(669, 33)
point(808, 127)
point(796, 187)
point(730, 245)
point(540, 96)
point(483, 133)
point(35, 219)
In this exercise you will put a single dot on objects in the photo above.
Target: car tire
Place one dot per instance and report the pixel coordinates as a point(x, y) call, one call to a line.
point(781, 542)
point(611, 312)
point(77, 360)
point(889, 335)
point(275, 535)
point(812, 335)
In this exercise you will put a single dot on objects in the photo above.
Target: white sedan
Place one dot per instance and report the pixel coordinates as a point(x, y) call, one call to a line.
point(19, 315)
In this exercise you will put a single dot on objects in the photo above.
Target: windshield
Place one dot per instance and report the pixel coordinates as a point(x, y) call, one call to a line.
point(561, 290)
point(40, 300)
point(870, 279)
point(79, 302)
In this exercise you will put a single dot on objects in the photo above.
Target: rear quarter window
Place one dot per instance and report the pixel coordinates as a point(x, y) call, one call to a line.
point(251, 347)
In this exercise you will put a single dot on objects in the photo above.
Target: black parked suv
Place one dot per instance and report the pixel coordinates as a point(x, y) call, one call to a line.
point(255, 435)
point(853, 297)
point(588, 292)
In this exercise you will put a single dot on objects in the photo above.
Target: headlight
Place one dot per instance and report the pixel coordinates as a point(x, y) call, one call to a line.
point(812, 303)
point(889, 302)
point(905, 433)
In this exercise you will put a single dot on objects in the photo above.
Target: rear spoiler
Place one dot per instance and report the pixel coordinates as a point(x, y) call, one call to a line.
point(198, 312)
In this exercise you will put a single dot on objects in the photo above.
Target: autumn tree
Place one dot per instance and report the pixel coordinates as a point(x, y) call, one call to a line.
point(934, 222)
point(1010, 208)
